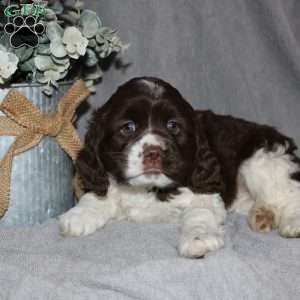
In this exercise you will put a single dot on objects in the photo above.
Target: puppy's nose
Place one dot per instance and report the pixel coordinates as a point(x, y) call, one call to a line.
point(151, 152)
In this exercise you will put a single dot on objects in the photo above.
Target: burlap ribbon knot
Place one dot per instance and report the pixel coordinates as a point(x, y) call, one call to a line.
point(29, 125)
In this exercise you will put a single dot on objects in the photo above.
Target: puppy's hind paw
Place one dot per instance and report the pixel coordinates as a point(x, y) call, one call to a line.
point(261, 219)
point(290, 227)
point(80, 221)
point(197, 245)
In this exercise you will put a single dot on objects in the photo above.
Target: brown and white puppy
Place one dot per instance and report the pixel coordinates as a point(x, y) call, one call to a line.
point(150, 157)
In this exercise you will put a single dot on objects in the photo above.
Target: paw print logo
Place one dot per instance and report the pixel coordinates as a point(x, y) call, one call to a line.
point(24, 31)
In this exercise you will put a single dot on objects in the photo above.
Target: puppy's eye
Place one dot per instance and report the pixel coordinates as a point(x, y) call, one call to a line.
point(173, 126)
point(128, 128)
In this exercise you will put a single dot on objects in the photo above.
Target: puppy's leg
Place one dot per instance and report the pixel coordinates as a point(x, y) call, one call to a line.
point(92, 212)
point(154, 213)
point(202, 226)
point(269, 178)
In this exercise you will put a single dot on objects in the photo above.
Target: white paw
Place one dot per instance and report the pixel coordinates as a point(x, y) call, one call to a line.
point(183, 199)
point(290, 227)
point(197, 245)
point(80, 221)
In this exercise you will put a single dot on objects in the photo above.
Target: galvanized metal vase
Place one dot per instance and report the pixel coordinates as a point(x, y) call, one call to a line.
point(41, 178)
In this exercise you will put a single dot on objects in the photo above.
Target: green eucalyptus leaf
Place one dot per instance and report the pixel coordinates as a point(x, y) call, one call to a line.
point(115, 40)
point(50, 15)
point(74, 15)
point(93, 73)
point(5, 41)
point(28, 66)
point(61, 68)
point(44, 39)
point(91, 58)
point(23, 53)
point(106, 53)
point(90, 84)
point(57, 7)
point(54, 31)
point(2, 48)
point(58, 49)
point(92, 89)
point(39, 76)
point(48, 90)
point(44, 63)
point(43, 49)
point(68, 18)
point(106, 33)
point(62, 75)
point(90, 23)
point(92, 43)
point(79, 4)
point(100, 38)
point(61, 61)
point(55, 83)
point(100, 49)
point(104, 30)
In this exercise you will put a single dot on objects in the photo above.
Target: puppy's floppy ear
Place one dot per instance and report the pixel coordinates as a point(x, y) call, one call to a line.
point(206, 176)
point(91, 171)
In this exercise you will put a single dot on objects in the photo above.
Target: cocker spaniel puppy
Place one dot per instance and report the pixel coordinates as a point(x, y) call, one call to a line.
point(150, 157)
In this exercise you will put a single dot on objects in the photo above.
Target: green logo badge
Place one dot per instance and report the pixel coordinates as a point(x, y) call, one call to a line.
point(32, 9)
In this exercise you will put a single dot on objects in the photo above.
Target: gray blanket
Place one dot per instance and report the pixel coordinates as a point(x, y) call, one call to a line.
point(134, 261)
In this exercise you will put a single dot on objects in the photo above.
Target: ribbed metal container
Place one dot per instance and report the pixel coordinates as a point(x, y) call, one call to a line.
point(41, 179)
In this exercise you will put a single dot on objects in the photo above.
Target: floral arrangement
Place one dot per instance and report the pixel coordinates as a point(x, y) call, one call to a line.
point(72, 43)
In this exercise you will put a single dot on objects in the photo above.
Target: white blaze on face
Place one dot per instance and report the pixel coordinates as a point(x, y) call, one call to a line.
point(135, 165)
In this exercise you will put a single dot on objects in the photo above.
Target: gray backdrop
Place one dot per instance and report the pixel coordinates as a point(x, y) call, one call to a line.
point(240, 57)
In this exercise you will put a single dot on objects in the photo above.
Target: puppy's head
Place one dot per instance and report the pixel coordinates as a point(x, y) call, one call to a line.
point(145, 135)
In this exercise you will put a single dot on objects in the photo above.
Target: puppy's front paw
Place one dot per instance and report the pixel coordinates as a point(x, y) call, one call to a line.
point(80, 221)
point(197, 245)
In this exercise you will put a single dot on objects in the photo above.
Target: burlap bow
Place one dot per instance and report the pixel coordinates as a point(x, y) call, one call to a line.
point(29, 125)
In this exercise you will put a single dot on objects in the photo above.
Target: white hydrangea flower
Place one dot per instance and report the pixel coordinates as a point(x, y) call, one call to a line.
point(75, 43)
point(8, 65)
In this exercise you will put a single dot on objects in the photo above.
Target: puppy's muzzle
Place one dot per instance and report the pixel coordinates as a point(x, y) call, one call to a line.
point(152, 158)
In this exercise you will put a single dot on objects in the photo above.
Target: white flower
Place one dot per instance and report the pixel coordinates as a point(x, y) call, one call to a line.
point(8, 65)
point(75, 43)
